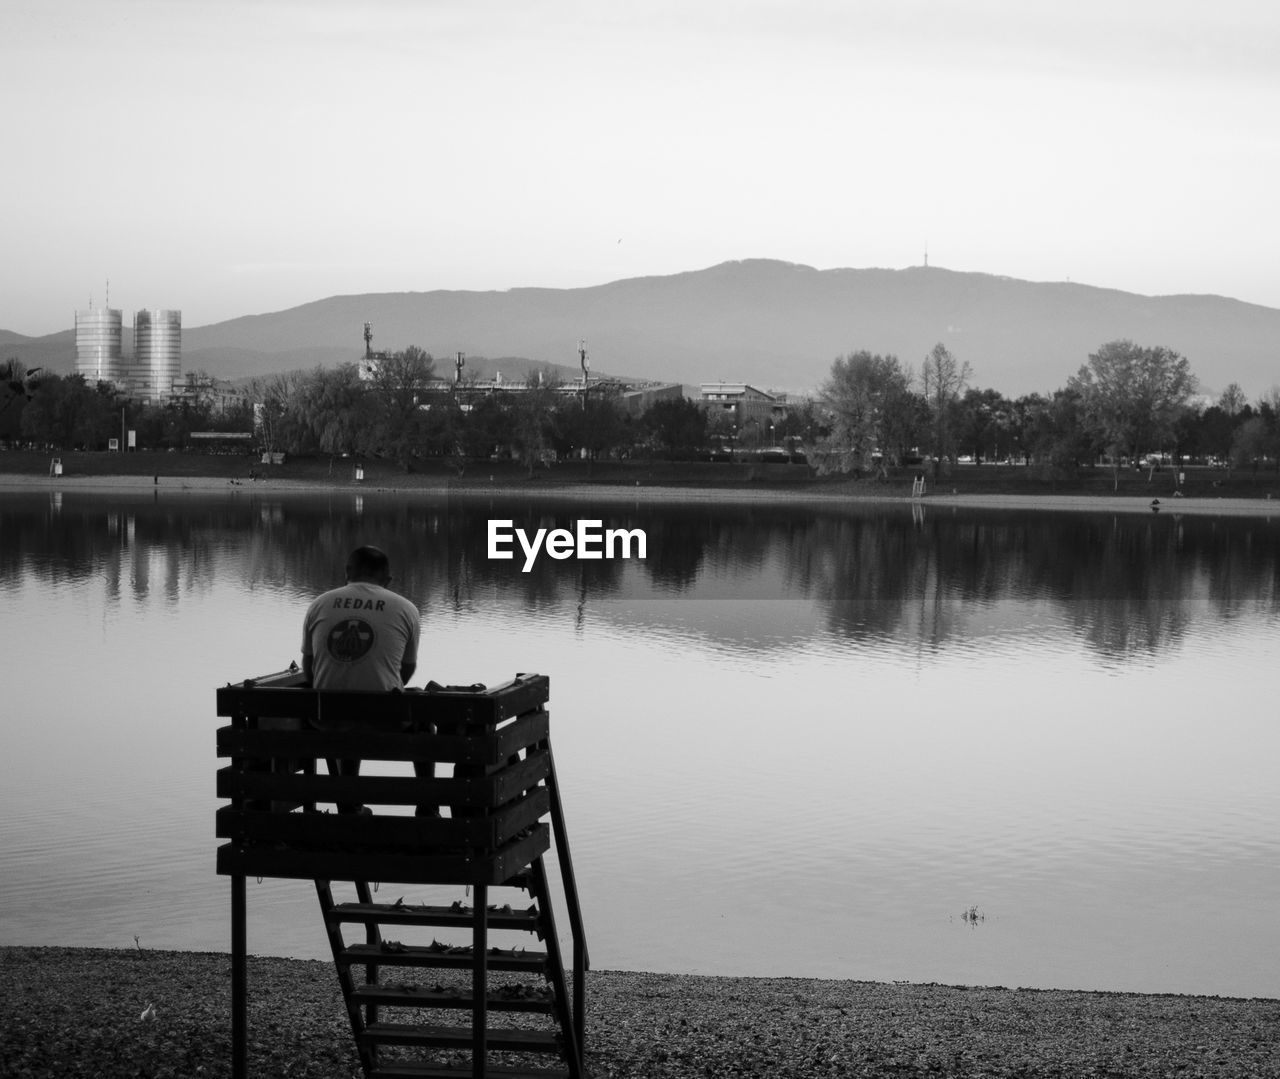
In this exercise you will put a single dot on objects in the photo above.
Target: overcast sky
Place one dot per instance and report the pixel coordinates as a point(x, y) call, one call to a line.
point(244, 156)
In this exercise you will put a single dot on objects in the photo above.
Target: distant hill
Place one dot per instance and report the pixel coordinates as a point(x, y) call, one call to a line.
point(773, 324)
point(56, 352)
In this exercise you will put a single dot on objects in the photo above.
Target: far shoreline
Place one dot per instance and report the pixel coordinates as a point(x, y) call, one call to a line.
point(829, 497)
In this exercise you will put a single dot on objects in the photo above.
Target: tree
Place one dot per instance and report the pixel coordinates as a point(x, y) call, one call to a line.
point(1133, 396)
point(1186, 437)
point(904, 417)
point(532, 419)
point(486, 428)
point(985, 421)
point(862, 396)
point(445, 429)
point(17, 385)
point(1053, 434)
point(594, 424)
point(1027, 415)
point(279, 413)
point(69, 413)
point(944, 379)
point(677, 425)
point(1232, 400)
point(721, 429)
point(335, 409)
point(1250, 443)
point(1215, 429)
point(399, 386)
point(1269, 410)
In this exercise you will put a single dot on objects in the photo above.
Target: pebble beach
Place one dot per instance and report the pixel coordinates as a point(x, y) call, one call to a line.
point(72, 1012)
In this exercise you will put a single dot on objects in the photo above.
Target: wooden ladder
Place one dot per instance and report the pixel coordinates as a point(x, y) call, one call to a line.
point(493, 842)
point(541, 990)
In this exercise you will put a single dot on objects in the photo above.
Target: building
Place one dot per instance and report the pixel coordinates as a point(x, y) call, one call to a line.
point(636, 400)
point(99, 344)
point(219, 394)
point(153, 374)
point(737, 409)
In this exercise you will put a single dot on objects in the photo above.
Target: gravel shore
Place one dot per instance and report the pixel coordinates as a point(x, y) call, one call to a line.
point(71, 1012)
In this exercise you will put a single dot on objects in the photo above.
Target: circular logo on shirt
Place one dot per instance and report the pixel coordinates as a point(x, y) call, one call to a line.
point(350, 639)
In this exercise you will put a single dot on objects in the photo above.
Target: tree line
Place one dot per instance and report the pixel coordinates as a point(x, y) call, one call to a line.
point(1125, 404)
point(68, 412)
point(872, 412)
point(399, 413)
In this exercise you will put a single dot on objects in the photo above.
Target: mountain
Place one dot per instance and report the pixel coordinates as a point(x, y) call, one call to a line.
point(773, 324)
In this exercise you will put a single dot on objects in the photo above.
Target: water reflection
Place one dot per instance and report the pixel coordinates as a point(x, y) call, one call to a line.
point(857, 721)
point(1127, 585)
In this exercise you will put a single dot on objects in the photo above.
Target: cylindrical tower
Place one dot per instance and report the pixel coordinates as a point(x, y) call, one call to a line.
point(99, 354)
point(157, 346)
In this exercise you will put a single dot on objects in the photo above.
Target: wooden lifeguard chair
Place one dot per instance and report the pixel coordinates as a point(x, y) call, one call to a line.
point(487, 826)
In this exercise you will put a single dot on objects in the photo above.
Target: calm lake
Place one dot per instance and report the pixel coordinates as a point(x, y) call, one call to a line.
point(877, 742)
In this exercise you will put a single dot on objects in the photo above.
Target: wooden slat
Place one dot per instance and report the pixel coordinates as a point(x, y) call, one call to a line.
point(487, 746)
point(505, 1039)
point(516, 960)
point(406, 996)
point(287, 697)
point(453, 917)
point(511, 781)
point(413, 1070)
point(431, 867)
point(383, 830)
point(481, 791)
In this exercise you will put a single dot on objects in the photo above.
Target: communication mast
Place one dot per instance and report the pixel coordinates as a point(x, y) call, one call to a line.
point(369, 369)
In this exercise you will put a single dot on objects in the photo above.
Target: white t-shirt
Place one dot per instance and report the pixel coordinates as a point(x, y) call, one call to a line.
point(358, 636)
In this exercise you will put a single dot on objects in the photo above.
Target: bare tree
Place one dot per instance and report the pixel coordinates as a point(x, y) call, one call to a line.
point(944, 379)
point(1232, 399)
point(277, 411)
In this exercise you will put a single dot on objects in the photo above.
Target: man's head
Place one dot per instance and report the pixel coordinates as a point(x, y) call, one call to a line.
point(369, 564)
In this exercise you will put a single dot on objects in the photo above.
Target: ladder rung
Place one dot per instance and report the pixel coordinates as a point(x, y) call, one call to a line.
point(410, 996)
point(462, 1071)
point(458, 915)
point(498, 1039)
point(391, 953)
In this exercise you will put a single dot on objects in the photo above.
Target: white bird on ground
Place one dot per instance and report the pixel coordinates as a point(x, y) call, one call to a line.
point(148, 1013)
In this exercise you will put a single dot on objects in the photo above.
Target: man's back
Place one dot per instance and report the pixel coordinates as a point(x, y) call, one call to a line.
point(360, 637)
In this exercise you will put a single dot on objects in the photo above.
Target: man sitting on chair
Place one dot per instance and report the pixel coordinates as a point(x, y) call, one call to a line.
point(362, 637)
